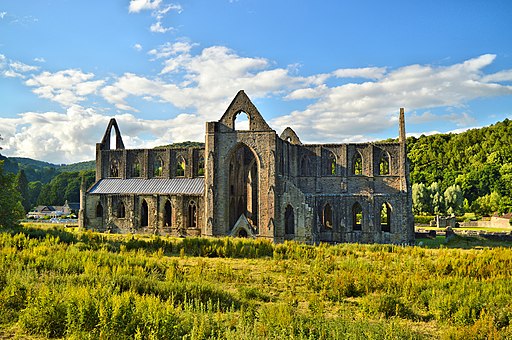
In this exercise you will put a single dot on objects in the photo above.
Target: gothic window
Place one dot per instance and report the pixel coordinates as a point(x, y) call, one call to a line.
point(99, 210)
point(121, 212)
point(357, 164)
point(241, 121)
point(167, 214)
point(158, 166)
point(305, 166)
point(200, 166)
point(114, 168)
point(357, 216)
point(192, 215)
point(385, 217)
point(332, 164)
point(144, 214)
point(384, 164)
point(180, 166)
point(136, 169)
point(327, 216)
point(289, 220)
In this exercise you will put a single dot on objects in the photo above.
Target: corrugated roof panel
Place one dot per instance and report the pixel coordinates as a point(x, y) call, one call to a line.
point(191, 186)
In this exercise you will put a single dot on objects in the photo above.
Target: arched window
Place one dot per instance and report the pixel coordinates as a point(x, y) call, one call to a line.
point(144, 214)
point(192, 215)
point(114, 168)
point(180, 166)
point(99, 210)
point(357, 217)
point(121, 212)
point(289, 220)
point(158, 167)
point(136, 168)
point(327, 216)
point(241, 121)
point(200, 166)
point(331, 170)
point(384, 164)
point(167, 214)
point(385, 217)
point(357, 164)
point(305, 166)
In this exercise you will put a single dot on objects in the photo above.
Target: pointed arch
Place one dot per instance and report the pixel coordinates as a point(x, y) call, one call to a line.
point(384, 164)
point(385, 217)
point(192, 214)
point(99, 210)
point(331, 159)
point(136, 171)
point(327, 216)
point(106, 143)
point(167, 214)
point(180, 166)
point(158, 167)
point(144, 214)
point(357, 216)
point(241, 121)
point(289, 220)
point(305, 166)
point(243, 184)
point(114, 168)
point(357, 164)
point(200, 166)
point(242, 103)
point(121, 211)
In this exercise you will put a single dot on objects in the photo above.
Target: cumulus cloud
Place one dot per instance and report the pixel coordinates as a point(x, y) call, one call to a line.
point(14, 69)
point(65, 87)
point(365, 72)
point(137, 47)
point(370, 106)
point(204, 82)
point(40, 60)
point(158, 10)
point(71, 135)
point(2, 14)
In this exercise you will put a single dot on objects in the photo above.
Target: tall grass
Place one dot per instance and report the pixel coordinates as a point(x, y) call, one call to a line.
point(55, 283)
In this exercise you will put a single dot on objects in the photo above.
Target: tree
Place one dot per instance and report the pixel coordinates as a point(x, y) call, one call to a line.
point(420, 199)
point(454, 200)
point(438, 206)
point(11, 209)
point(22, 186)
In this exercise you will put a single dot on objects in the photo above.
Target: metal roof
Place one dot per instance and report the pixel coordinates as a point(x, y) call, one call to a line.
point(191, 186)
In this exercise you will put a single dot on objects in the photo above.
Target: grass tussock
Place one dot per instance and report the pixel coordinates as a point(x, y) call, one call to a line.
point(60, 284)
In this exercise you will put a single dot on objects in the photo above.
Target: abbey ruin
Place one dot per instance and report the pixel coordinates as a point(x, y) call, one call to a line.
point(253, 183)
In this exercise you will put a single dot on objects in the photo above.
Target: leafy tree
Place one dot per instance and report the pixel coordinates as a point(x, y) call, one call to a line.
point(421, 201)
point(34, 189)
point(22, 186)
point(64, 187)
point(438, 206)
point(11, 209)
point(454, 200)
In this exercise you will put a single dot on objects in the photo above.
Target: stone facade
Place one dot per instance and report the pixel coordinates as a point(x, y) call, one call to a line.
point(254, 183)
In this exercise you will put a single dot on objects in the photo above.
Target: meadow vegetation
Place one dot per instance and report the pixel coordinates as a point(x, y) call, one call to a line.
point(57, 283)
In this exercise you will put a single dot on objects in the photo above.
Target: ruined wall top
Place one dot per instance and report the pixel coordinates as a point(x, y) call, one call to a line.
point(242, 103)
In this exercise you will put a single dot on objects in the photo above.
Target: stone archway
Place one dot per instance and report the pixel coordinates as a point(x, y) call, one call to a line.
point(243, 184)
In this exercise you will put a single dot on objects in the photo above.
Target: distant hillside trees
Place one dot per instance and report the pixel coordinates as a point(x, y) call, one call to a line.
point(64, 187)
point(478, 161)
point(22, 187)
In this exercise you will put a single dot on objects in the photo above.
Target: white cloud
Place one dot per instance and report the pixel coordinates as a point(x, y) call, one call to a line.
point(2, 14)
point(139, 5)
point(365, 72)
point(70, 136)
point(505, 75)
point(12, 74)
point(371, 106)
point(40, 60)
point(171, 49)
point(66, 87)
point(158, 28)
point(137, 47)
point(21, 67)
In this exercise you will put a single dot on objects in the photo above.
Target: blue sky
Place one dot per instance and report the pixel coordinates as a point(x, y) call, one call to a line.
point(334, 71)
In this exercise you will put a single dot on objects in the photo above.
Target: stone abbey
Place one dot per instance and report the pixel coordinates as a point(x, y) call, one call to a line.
point(253, 183)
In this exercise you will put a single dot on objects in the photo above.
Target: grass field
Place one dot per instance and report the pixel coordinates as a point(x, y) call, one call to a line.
point(60, 283)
